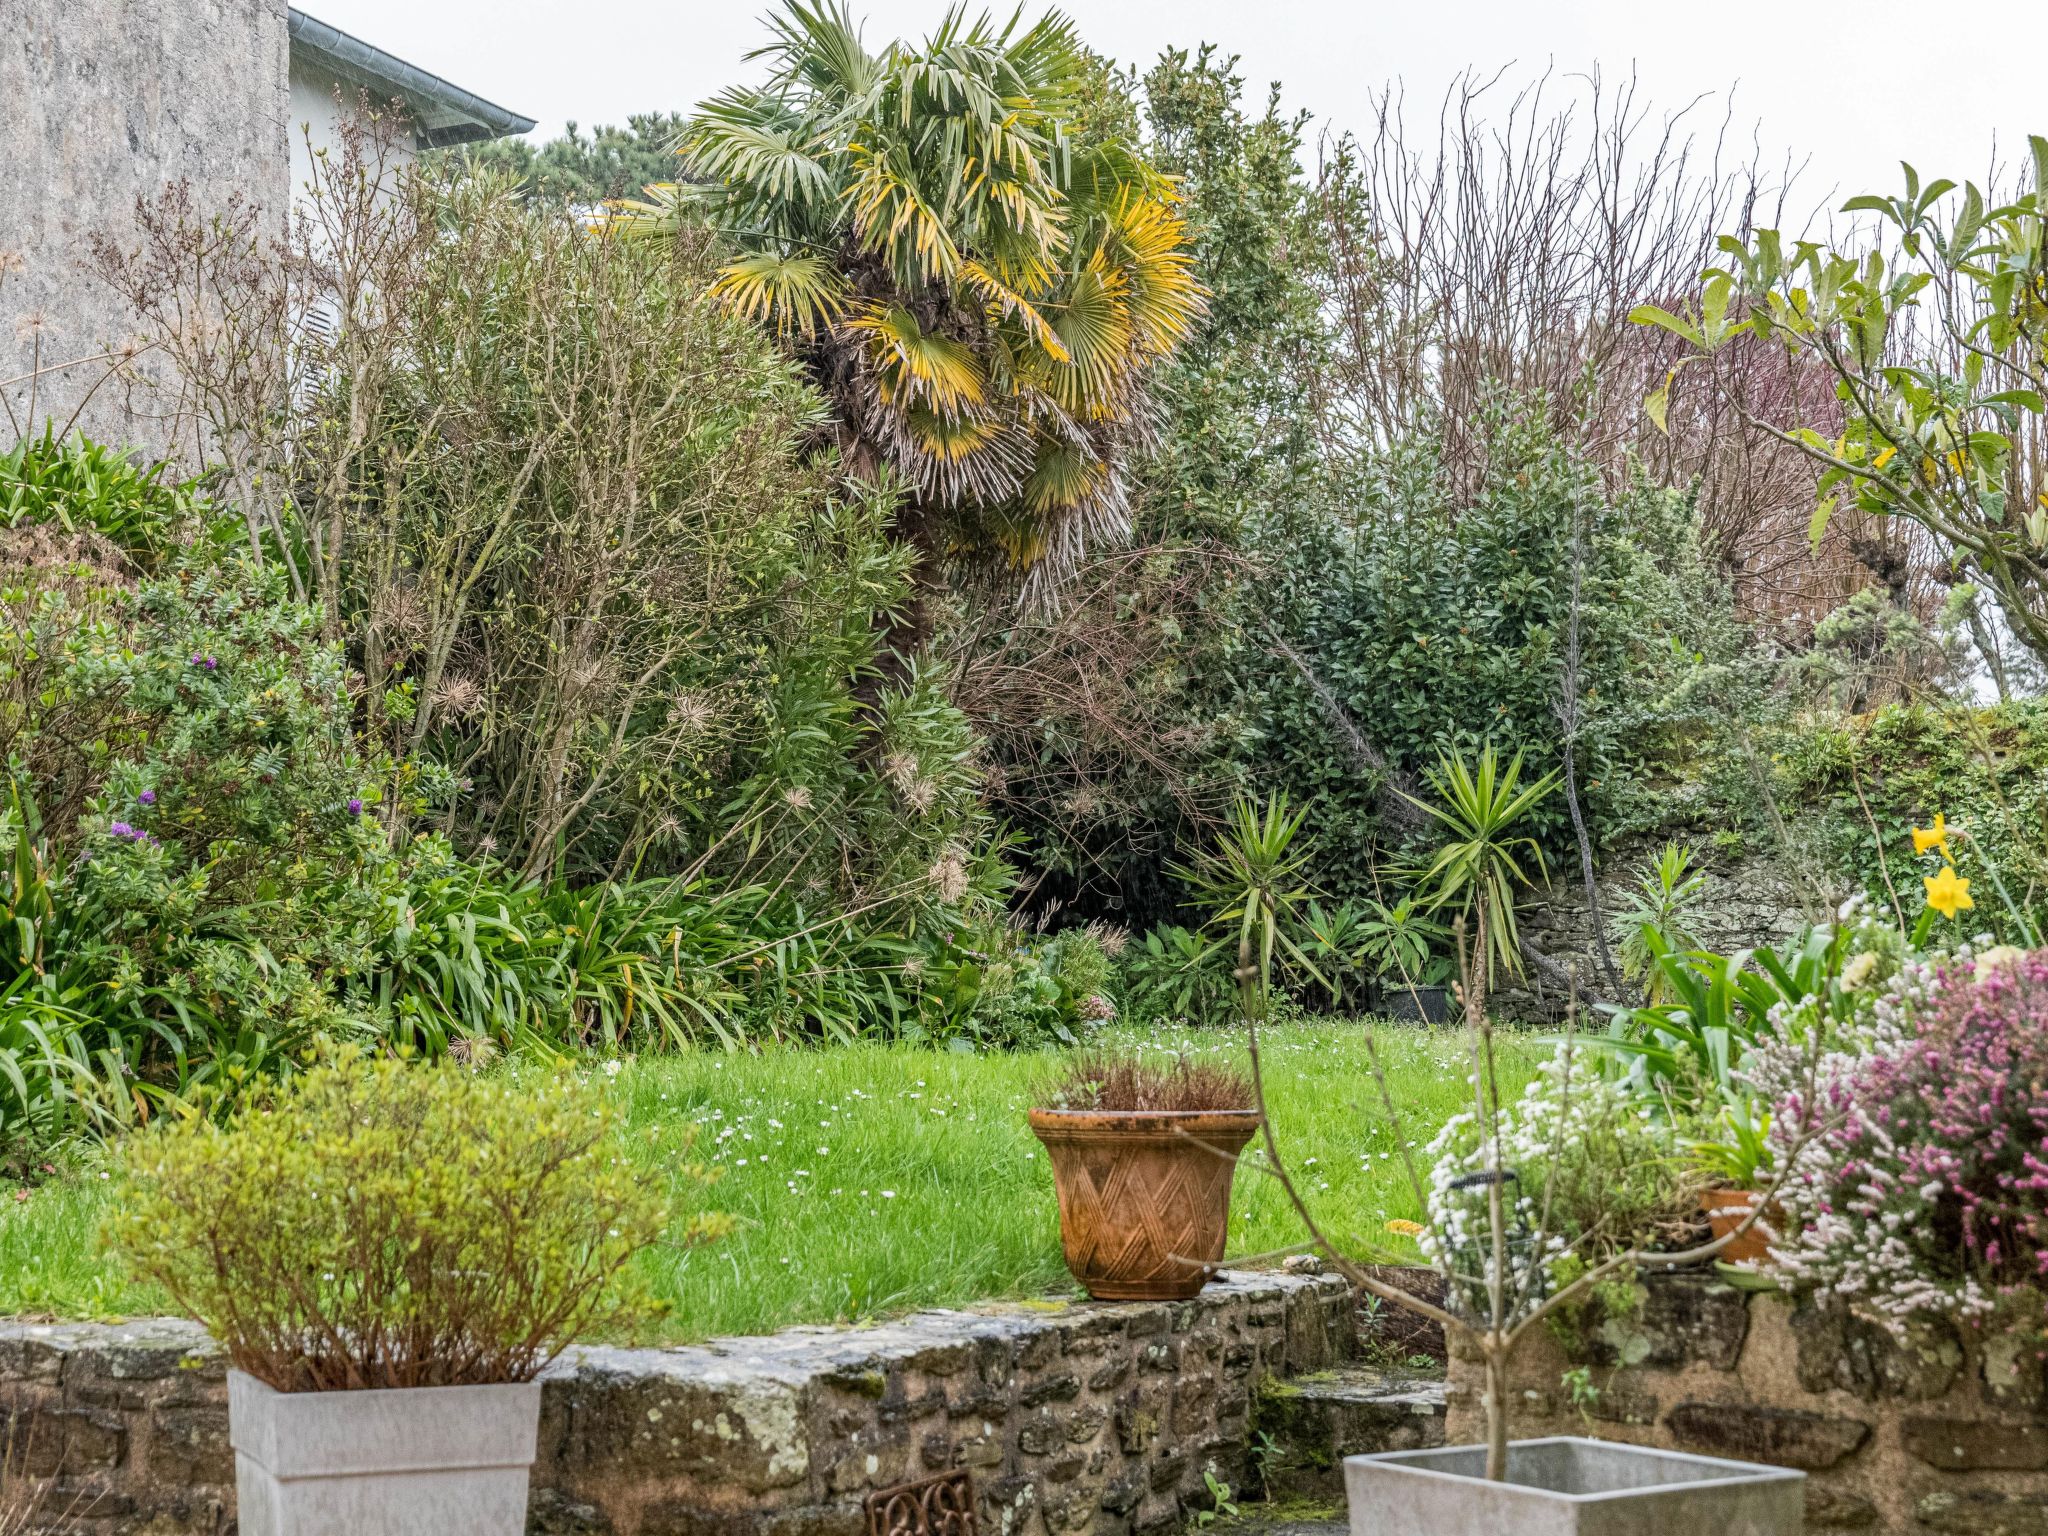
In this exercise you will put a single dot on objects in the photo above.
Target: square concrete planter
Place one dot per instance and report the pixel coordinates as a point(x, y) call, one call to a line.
point(1567, 1486)
point(448, 1460)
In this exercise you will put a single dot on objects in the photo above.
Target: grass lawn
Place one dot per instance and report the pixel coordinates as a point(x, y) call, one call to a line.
point(876, 1179)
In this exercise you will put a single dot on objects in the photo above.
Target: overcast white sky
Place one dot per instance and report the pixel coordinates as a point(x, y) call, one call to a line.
point(1853, 86)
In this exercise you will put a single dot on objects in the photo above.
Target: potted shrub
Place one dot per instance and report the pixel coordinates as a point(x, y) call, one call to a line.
point(1509, 1266)
point(1142, 1158)
point(390, 1255)
point(1736, 1161)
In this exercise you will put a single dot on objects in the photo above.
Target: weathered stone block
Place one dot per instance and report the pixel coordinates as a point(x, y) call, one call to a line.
point(1984, 1514)
point(1123, 1495)
point(1110, 1375)
point(1784, 1437)
point(1619, 1402)
point(549, 1513)
point(1085, 1423)
point(1682, 1318)
point(746, 1431)
point(978, 1451)
point(67, 1442)
point(189, 1444)
point(1846, 1354)
point(2013, 1372)
point(1167, 1470)
point(1835, 1510)
point(1041, 1437)
point(1050, 1389)
point(1973, 1445)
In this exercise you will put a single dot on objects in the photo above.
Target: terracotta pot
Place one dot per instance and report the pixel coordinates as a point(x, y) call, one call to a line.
point(1144, 1195)
point(1727, 1209)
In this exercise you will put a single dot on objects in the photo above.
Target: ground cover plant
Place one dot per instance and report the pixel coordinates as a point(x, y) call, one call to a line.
point(867, 1180)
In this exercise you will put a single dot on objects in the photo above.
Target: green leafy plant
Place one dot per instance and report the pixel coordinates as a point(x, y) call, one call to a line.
point(1220, 1501)
point(1253, 880)
point(1932, 346)
point(1664, 903)
point(78, 485)
point(1738, 1155)
point(1402, 943)
point(1173, 973)
point(1482, 811)
point(381, 1224)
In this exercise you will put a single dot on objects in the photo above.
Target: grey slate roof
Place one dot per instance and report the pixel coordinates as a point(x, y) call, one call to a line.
point(444, 113)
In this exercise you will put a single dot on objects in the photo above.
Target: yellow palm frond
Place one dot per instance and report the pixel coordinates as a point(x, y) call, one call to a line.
point(892, 219)
point(1093, 322)
point(1148, 241)
point(916, 367)
point(802, 293)
point(950, 439)
point(1002, 301)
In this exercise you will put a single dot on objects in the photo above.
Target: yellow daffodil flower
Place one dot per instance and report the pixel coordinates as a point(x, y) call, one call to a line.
point(1405, 1228)
point(1948, 893)
point(1935, 836)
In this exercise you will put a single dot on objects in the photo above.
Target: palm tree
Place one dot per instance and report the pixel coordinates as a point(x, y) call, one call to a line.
point(981, 293)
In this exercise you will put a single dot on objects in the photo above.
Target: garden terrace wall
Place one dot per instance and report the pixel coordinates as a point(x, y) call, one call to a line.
point(1073, 1418)
point(1946, 1432)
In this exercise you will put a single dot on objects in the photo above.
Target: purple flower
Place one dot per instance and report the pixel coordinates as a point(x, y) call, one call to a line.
point(355, 807)
point(211, 663)
point(147, 797)
point(121, 829)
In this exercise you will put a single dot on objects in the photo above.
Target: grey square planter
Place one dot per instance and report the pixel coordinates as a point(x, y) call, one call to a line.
point(451, 1461)
point(1567, 1486)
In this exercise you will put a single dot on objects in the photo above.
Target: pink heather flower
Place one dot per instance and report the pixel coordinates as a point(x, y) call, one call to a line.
point(1927, 1188)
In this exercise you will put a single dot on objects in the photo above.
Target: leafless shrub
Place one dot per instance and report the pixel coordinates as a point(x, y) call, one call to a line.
point(1080, 705)
point(1507, 250)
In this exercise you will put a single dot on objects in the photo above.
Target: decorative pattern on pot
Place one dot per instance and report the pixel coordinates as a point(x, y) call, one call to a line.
point(1144, 1195)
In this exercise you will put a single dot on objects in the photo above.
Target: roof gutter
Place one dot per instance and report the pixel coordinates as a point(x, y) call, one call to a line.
point(356, 59)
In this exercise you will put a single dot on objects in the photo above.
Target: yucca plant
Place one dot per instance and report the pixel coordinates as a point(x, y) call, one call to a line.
point(1479, 863)
point(1254, 882)
point(981, 291)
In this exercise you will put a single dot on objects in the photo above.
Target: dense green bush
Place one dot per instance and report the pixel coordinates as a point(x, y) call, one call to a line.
point(1437, 624)
point(378, 1224)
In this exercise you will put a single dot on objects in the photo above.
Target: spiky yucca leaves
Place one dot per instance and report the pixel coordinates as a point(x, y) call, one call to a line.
point(983, 296)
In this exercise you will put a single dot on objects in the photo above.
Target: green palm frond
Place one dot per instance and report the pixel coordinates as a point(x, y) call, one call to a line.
point(751, 139)
point(819, 47)
point(1063, 476)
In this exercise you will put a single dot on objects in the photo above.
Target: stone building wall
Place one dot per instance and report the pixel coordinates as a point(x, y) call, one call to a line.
point(1081, 1419)
point(1944, 1433)
point(102, 102)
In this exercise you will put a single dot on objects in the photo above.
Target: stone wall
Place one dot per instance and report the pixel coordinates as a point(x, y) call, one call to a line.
point(1087, 1419)
point(1943, 1433)
point(102, 102)
point(1745, 904)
